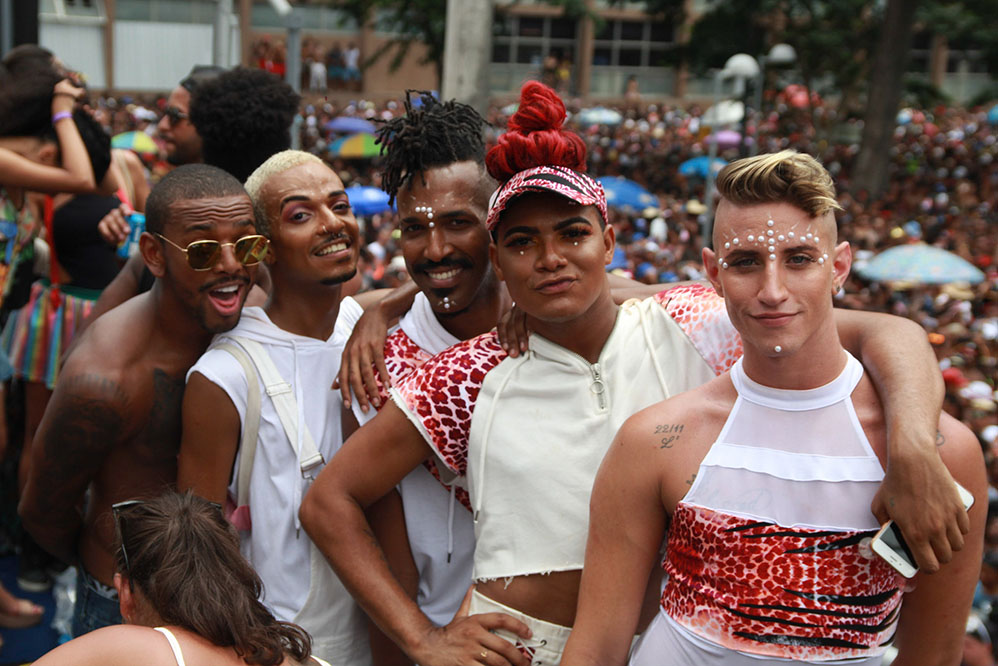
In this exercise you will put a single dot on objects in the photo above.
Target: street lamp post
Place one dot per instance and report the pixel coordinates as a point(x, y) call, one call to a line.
point(780, 54)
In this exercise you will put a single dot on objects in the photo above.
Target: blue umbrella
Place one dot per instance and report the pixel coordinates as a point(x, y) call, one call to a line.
point(367, 200)
point(698, 166)
point(626, 194)
point(920, 263)
point(349, 125)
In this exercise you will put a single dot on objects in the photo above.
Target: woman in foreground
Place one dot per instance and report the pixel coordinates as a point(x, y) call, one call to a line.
point(187, 595)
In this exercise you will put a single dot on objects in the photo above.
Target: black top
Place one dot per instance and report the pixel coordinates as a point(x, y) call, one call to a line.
point(80, 250)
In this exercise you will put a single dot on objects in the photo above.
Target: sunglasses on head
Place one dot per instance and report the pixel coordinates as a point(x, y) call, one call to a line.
point(174, 114)
point(202, 255)
point(119, 510)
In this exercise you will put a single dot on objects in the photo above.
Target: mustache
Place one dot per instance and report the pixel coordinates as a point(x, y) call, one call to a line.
point(224, 281)
point(450, 262)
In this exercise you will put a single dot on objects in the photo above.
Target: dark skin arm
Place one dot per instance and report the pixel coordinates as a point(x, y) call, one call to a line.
point(85, 418)
point(210, 439)
point(368, 466)
point(917, 492)
point(366, 348)
point(387, 521)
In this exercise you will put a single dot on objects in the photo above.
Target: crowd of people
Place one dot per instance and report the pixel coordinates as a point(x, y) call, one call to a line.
point(465, 438)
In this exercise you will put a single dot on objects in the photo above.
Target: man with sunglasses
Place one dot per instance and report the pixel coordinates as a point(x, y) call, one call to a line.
point(271, 375)
point(113, 424)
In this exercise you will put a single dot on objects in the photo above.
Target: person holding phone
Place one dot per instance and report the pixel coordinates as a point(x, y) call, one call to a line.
point(763, 478)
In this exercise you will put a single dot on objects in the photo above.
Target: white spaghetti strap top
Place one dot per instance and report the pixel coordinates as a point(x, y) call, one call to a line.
point(174, 645)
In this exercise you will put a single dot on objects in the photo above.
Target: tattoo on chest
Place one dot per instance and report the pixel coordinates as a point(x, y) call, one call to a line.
point(162, 433)
point(670, 433)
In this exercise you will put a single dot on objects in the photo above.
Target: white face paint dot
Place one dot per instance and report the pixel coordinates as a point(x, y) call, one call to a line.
point(727, 245)
point(769, 232)
point(790, 233)
point(777, 349)
point(751, 238)
point(431, 225)
point(809, 235)
point(724, 265)
point(781, 237)
point(772, 257)
point(825, 256)
point(816, 239)
point(769, 223)
point(821, 260)
point(735, 241)
point(429, 215)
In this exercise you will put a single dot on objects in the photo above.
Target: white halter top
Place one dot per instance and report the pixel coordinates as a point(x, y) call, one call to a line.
point(763, 552)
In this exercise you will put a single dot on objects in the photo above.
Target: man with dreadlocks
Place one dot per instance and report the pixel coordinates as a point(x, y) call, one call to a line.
point(434, 168)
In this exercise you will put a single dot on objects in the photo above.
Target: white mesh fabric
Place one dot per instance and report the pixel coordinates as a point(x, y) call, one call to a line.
point(794, 458)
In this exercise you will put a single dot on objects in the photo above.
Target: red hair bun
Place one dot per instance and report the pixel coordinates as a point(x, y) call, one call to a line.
point(535, 136)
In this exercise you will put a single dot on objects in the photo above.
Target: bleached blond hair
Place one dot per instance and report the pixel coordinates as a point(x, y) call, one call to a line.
point(275, 164)
point(784, 177)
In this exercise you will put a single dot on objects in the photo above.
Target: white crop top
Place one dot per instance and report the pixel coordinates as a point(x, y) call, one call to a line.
point(528, 434)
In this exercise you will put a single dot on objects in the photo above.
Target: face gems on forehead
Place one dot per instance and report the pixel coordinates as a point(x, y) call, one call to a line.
point(429, 213)
point(777, 349)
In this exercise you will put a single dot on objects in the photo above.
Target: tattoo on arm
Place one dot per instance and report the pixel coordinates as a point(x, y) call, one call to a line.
point(940, 440)
point(87, 415)
point(670, 433)
point(690, 480)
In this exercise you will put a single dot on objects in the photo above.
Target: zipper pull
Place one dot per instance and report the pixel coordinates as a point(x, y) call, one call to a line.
point(598, 387)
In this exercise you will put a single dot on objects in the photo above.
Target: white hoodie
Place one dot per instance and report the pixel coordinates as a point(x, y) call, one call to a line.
point(276, 546)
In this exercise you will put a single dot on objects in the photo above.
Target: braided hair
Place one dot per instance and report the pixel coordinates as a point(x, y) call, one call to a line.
point(433, 135)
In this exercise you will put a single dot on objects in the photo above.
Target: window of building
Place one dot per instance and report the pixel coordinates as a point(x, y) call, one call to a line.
point(76, 8)
point(527, 39)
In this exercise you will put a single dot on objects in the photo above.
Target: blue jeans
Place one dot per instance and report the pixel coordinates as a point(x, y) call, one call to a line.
point(96, 605)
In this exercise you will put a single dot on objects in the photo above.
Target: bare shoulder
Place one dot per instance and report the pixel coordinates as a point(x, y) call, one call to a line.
point(688, 413)
point(669, 439)
point(116, 339)
point(109, 646)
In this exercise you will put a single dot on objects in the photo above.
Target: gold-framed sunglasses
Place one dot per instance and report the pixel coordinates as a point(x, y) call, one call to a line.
point(202, 255)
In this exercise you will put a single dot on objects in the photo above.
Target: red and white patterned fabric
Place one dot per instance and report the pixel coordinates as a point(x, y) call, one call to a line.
point(526, 435)
point(695, 307)
point(441, 536)
point(798, 593)
point(579, 187)
point(764, 555)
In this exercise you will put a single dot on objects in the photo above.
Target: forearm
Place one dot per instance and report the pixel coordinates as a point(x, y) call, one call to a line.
point(398, 302)
point(897, 354)
point(337, 525)
point(75, 159)
point(55, 526)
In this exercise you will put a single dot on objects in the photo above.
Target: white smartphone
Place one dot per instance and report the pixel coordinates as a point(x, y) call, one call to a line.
point(890, 545)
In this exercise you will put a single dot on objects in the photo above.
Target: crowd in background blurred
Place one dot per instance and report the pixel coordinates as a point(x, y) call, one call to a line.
point(943, 191)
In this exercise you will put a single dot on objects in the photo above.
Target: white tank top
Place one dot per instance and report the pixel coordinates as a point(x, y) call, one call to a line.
point(764, 556)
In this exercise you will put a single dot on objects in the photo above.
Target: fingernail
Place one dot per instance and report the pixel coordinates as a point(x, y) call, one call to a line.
point(377, 402)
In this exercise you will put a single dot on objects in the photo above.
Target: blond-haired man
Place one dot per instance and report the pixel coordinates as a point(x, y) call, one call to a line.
point(768, 472)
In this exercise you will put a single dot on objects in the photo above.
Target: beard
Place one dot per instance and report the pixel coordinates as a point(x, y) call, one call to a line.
point(339, 279)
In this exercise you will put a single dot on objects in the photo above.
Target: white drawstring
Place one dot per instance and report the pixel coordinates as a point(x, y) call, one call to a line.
point(651, 348)
point(450, 522)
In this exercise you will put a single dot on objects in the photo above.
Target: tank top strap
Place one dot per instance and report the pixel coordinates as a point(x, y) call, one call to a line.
point(174, 645)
